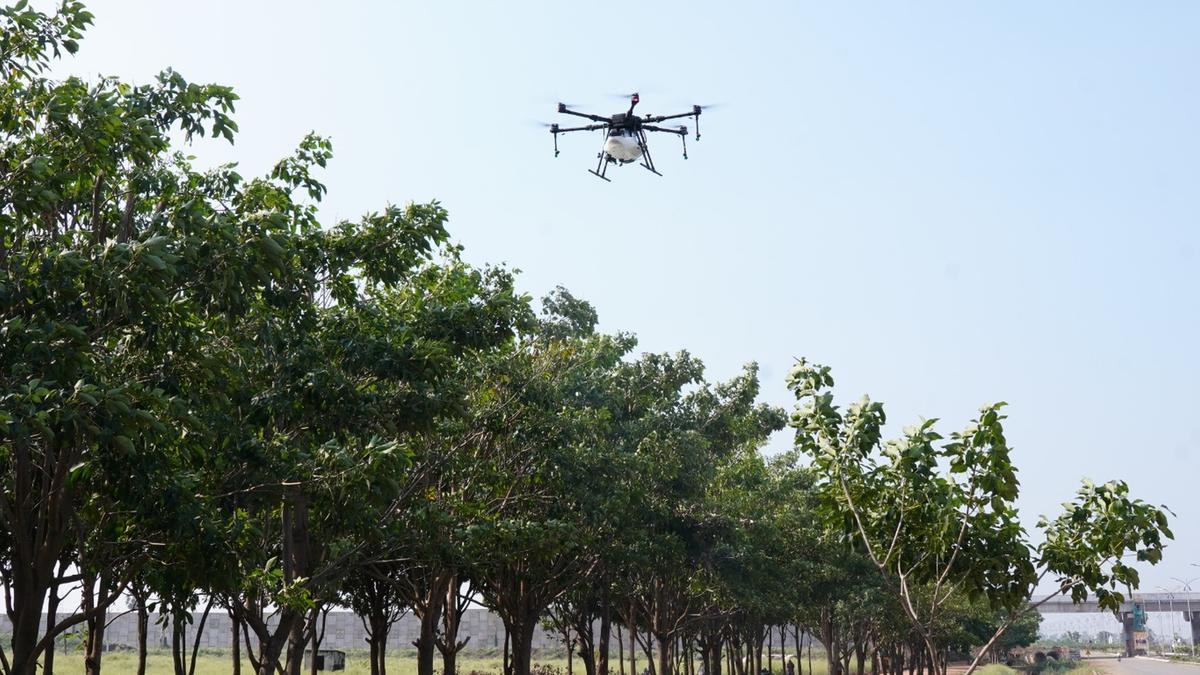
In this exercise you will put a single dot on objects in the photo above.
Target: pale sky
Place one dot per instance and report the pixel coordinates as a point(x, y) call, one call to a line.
point(949, 203)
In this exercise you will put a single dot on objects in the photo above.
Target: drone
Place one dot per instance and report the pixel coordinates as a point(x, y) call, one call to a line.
point(625, 135)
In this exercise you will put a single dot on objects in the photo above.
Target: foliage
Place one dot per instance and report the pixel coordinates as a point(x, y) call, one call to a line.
point(938, 518)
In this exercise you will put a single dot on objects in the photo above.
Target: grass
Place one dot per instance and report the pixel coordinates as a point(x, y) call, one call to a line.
point(405, 663)
point(401, 663)
point(996, 669)
point(159, 663)
point(1075, 668)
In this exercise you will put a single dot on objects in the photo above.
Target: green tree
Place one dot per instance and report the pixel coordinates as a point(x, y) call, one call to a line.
point(333, 434)
point(109, 245)
point(639, 408)
point(536, 422)
point(940, 517)
point(207, 336)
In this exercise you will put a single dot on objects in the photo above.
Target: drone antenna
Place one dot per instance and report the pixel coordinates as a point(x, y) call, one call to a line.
point(633, 101)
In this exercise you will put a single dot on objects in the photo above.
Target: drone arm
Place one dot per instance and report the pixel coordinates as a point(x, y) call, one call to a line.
point(595, 118)
point(590, 127)
point(681, 131)
point(556, 130)
point(696, 110)
point(662, 118)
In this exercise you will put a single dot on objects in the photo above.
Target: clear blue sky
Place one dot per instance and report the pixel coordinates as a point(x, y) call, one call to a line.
point(949, 203)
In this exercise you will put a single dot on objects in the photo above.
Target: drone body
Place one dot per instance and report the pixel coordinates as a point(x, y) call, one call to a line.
point(625, 135)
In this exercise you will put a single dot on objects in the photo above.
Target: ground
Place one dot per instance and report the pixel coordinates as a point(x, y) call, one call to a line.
point(405, 664)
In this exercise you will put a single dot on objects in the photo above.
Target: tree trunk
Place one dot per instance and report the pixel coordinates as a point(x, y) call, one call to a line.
point(829, 639)
point(38, 522)
point(587, 650)
point(51, 619)
point(455, 604)
point(507, 651)
point(143, 630)
point(315, 639)
point(270, 650)
point(522, 644)
point(425, 642)
point(665, 652)
point(377, 639)
point(620, 650)
point(770, 648)
point(799, 650)
point(605, 632)
point(810, 655)
point(632, 625)
point(758, 649)
point(176, 648)
point(714, 657)
point(26, 617)
point(295, 648)
point(648, 647)
point(271, 643)
point(235, 645)
point(93, 653)
point(94, 647)
point(180, 645)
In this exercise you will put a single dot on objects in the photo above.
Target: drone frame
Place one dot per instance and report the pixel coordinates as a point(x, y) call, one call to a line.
point(629, 122)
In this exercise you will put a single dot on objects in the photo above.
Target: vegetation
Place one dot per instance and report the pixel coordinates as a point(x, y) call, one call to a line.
point(212, 402)
point(938, 520)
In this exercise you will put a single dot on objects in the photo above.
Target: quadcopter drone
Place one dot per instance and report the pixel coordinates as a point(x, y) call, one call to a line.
point(625, 135)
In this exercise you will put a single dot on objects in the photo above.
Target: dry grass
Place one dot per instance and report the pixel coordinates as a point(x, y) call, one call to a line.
point(159, 663)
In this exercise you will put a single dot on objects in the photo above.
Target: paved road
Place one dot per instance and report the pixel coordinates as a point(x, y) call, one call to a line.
point(1143, 666)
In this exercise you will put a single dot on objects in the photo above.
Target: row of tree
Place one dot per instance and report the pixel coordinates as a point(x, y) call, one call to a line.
point(211, 400)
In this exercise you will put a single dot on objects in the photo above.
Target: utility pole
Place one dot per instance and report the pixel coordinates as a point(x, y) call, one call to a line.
point(1187, 587)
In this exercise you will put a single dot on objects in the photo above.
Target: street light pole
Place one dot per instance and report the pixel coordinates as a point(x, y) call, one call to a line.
point(1187, 587)
point(1161, 650)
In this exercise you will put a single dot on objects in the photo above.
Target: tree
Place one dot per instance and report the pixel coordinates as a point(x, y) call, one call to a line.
point(535, 409)
point(941, 518)
point(108, 244)
point(379, 605)
point(333, 433)
point(639, 419)
point(205, 335)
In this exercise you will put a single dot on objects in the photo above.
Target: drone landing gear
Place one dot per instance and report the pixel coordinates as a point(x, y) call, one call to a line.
point(601, 166)
point(647, 162)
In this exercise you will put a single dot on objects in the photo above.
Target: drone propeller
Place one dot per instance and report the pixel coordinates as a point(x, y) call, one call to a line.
point(632, 97)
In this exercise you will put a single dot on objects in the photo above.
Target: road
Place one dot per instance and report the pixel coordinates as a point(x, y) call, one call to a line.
point(1144, 666)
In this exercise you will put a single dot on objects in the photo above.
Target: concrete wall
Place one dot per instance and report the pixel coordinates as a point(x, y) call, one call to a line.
point(343, 630)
